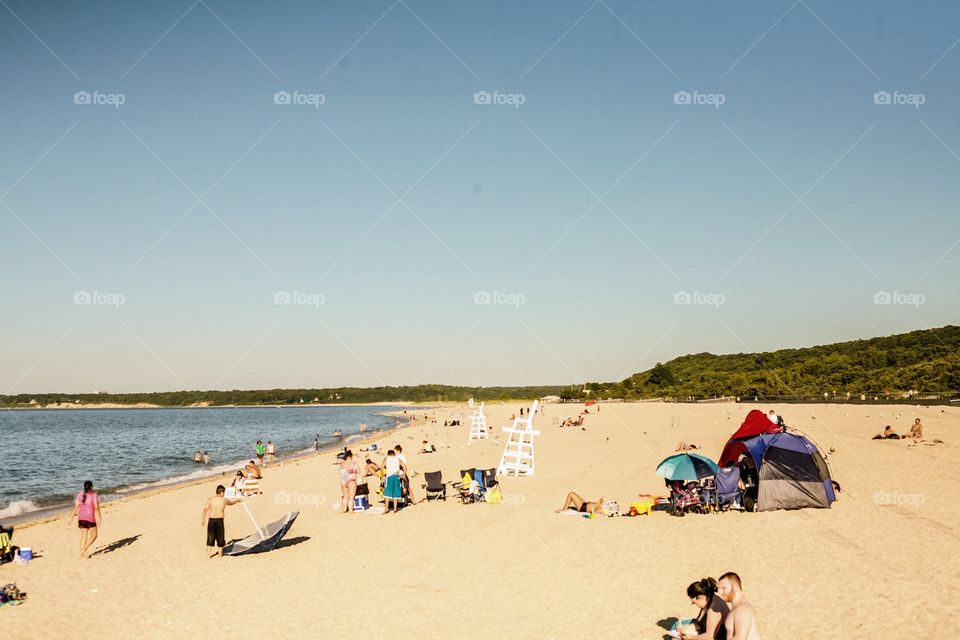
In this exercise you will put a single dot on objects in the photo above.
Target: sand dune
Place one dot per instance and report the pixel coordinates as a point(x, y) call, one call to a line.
point(881, 563)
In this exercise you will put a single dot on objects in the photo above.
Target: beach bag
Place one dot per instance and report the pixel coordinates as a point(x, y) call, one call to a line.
point(611, 508)
point(494, 496)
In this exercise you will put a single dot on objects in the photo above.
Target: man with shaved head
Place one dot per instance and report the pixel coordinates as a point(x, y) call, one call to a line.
point(741, 622)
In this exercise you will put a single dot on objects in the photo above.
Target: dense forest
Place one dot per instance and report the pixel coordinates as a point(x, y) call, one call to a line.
point(925, 361)
point(419, 393)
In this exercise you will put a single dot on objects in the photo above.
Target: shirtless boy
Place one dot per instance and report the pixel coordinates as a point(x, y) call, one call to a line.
point(212, 518)
point(742, 620)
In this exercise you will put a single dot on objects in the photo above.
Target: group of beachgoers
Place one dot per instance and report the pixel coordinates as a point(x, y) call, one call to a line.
point(202, 457)
point(392, 471)
point(266, 453)
point(725, 613)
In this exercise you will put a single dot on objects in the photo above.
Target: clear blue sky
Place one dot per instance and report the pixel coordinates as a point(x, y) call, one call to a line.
point(596, 203)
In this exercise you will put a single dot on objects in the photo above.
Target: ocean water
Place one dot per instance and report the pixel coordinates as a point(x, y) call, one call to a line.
point(48, 454)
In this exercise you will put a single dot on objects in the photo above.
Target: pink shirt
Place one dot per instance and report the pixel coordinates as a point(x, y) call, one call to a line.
point(88, 507)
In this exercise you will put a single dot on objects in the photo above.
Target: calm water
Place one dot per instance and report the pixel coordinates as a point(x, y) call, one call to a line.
point(49, 453)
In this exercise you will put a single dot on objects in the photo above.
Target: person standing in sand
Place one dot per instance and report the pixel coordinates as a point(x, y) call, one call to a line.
point(260, 449)
point(405, 476)
point(271, 452)
point(741, 623)
point(349, 472)
point(86, 508)
point(212, 519)
point(393, 490)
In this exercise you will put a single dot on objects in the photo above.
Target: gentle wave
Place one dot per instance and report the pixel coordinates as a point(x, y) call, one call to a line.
point(206, 472)
point(18, 508)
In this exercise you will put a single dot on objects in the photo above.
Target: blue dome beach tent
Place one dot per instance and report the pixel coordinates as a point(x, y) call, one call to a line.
point(791, 471)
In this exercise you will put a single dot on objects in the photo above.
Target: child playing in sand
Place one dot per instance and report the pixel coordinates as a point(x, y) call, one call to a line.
point(212, 519)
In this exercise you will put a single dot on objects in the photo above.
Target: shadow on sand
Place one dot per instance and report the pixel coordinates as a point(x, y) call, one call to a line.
point(667, 624)
point(113, 546)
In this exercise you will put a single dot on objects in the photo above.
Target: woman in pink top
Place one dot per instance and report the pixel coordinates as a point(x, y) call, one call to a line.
point(87, 509)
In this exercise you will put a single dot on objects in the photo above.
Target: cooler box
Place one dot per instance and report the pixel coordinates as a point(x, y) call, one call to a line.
point(26, 553)
point(361, 503)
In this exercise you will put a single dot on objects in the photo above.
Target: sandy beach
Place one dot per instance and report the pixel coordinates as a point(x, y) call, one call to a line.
point(877, 564)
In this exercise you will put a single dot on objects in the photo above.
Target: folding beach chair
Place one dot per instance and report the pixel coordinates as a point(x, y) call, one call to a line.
point(7, 550)
point(479, 487)
point(434, 485)
point(728, 489)
point(465, 486)
point(490, 478)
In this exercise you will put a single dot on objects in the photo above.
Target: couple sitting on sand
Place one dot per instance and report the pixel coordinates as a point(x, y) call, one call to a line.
point(916, 432)
point(724, 611)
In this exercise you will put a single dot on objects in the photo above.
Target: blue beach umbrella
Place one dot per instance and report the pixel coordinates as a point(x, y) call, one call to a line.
point(687, 466)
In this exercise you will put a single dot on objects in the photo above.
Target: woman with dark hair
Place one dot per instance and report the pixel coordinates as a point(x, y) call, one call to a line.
point(86, 508)
point(349, 472)
point(709, 623)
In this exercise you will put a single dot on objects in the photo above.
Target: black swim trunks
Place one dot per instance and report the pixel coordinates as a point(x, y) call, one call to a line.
point(215, 535)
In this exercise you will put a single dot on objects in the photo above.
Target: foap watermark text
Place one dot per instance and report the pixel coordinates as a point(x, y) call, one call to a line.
point(514, 100)
point(100, 298)
point(297, 98)
point(896, 98)
point(899, 298)
point(299, 298)
point(900, 499)
point(498, 298)
point(715, 100)
point(115, 100)
point(699, 298)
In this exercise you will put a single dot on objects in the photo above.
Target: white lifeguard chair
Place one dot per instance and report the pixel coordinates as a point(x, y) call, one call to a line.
point(518, 456)
point(478, 425)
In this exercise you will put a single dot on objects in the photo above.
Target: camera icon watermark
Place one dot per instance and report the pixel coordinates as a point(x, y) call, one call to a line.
point(115, 100)
point(115, 300)
point(899, 298)
point(715, 100)
point(497, 298)
point(514, 100)
point(299, 499)
point(896, 98)
point(699, 298)
point(899, 499)
point(297, 98)
point(299, 298)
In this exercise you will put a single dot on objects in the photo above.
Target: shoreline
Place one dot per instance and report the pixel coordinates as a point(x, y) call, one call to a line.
point(48, 514)
point(157, 536)
point(106, 406)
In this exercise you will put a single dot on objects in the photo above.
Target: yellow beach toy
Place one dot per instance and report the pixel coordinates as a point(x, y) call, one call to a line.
point(642, 507)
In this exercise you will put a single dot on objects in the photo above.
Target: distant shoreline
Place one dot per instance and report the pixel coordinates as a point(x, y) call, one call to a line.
point(63, 406)
point(114, 496)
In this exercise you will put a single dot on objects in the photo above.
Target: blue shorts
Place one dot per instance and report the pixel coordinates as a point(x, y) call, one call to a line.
point(392, 490)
